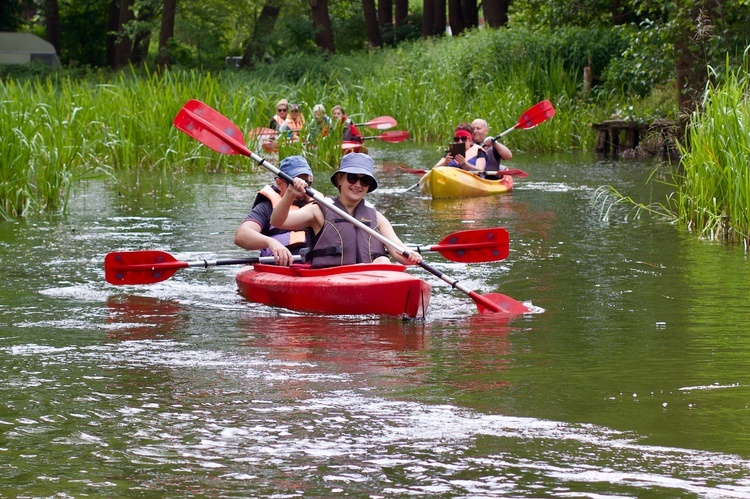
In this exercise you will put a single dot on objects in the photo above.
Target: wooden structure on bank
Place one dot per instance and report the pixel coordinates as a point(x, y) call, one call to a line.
point(615, 137)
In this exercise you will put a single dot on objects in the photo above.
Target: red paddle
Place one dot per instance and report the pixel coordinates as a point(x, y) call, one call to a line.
point(262, 132)
point(150, 266)
point(195, 120)
point(390, 136)
point(536, 114)
point(379, 123)
point(473, 246)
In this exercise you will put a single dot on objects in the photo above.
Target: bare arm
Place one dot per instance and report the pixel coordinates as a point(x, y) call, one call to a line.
point(249, 237)
point(480, 162)
point(309, 215)
point(503, 151)
point(385, 228)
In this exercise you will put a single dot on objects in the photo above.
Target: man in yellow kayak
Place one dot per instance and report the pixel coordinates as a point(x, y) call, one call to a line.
point(496, 152)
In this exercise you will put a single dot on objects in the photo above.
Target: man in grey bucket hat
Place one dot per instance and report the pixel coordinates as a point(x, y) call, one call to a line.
point(256, 231)
point(339, 241)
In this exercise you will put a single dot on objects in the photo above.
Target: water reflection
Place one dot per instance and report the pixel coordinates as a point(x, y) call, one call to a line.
point(352, 343)
point(132, 317)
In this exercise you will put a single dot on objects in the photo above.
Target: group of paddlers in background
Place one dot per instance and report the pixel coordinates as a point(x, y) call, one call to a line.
point(289, 121)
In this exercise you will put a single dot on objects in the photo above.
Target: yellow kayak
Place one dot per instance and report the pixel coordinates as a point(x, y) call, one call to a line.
point(449, 182)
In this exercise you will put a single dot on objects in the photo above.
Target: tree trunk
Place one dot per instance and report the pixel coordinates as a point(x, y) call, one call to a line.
point(470, 13)
point(168, 11)
point(428, 18)
point(619, 16)
point(385, 12)
point(371, 23)
point(113, 26)
point(322, 25)
point(495, 12)
point(52, 23)
point(455, 17)
point(690, 67)
point(440, 14)
point(402, 10)
point(123, 45)
point(257, 47)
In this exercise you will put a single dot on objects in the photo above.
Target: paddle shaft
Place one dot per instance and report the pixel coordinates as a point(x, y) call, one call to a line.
point(205, 263)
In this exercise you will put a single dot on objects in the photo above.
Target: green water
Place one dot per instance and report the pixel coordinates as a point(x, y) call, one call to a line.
point(633, 382)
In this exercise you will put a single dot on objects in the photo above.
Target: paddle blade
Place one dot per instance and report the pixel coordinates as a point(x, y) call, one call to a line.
point(536, 114)
point(514, 172)
point(379, 123)
point(210, 127)
point(140, 267)
point(475, 246)
point(393, 136)
point(351, 146)
point(497, 303)
point(415, 171)
point(262, 133)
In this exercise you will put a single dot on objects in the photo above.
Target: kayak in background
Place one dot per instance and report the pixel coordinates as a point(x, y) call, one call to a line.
point(449, 182)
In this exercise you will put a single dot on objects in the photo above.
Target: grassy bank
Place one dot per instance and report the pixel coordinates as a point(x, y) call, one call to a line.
point(61, 127)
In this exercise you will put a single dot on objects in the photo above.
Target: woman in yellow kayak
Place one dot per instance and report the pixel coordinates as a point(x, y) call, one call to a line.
point(338, 241)
point(474, 159)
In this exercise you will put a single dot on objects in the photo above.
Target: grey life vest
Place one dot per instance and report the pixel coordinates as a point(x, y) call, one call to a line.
point(340, 242)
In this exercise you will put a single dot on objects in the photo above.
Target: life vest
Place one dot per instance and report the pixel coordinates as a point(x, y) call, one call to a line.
point(294, 125)
point(350, 131)
point(340, 242)
point(278, 120)
point(493, 159)
point(294, 240)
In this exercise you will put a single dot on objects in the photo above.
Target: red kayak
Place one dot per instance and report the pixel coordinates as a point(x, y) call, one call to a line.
point(363, 289)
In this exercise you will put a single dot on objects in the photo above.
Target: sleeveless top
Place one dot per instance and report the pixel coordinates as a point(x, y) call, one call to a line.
point(340, 242)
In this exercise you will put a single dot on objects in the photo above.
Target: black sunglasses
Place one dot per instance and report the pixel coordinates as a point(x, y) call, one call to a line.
point(281, 110)
point(365, 180)
point(460, 139)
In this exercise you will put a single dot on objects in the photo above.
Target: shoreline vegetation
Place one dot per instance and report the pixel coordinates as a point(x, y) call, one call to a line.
point(711, 181)
point(64, 126)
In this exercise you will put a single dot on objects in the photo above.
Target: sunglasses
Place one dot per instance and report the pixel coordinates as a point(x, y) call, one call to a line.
point(460, 139)
point(365, 180)
point(281, 110)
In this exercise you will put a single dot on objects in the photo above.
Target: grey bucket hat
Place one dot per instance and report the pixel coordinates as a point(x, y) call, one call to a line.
point(359, 164)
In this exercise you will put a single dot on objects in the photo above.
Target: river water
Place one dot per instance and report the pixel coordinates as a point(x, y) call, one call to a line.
point(632, 382)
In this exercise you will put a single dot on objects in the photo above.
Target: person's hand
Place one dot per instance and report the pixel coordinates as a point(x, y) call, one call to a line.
point(281, 254)
point(415, 258)
point(298, 187)
point(487, 142)
point(461, 161)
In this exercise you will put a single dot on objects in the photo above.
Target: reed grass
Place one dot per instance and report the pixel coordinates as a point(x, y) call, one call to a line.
point(712, 196)
point(59, 128)
point(710, 184)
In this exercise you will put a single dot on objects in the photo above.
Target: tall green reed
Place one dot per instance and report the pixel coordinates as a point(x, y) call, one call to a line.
point(712, 194)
